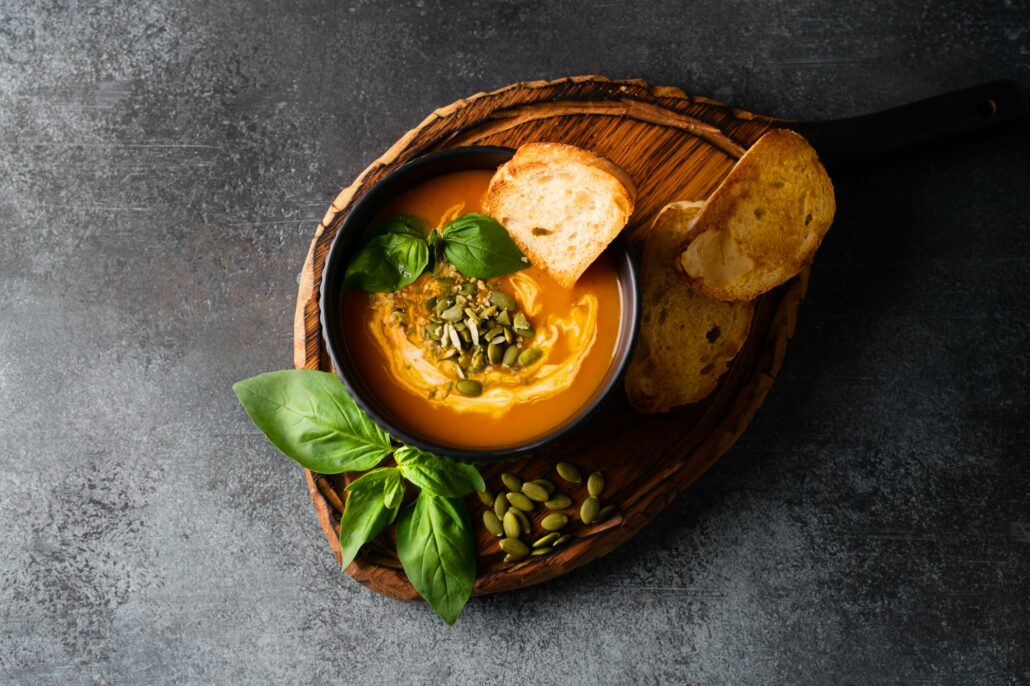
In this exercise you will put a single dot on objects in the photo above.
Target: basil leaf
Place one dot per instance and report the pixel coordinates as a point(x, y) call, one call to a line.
point(408, 255)
point(368, 510)
point(308, 415)
point(434, 249)
point(370, 270)
point(480, 248)
point(405, 224)
point(438, 475)
point(435, 547)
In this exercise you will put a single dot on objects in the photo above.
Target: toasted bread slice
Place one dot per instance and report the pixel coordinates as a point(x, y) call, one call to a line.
point(561, 205)
point(764, 222)
point(687, 339)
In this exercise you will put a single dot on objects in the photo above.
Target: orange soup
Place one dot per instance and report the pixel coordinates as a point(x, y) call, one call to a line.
point(562, 341)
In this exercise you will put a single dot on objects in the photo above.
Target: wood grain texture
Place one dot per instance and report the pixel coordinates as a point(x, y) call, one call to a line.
point(675, 147)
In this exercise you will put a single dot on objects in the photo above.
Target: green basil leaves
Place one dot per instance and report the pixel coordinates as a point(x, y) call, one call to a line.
point(309, 416)
point(399, 251)
point(437, 552)
point(480, 248)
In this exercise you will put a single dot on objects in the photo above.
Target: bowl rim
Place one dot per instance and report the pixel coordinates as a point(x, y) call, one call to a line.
point(629, 284)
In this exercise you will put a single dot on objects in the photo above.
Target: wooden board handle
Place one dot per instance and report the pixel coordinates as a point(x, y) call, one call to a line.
point(845, 142)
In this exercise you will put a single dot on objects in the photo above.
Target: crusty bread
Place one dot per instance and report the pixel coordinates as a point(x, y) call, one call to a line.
point(687, 339)
point(561, 205)
point(764, 222)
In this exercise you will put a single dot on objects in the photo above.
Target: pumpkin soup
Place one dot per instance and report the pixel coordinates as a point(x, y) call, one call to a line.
point(474, 363)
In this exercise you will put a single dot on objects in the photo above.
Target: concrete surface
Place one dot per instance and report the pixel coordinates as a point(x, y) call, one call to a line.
point(162, 167)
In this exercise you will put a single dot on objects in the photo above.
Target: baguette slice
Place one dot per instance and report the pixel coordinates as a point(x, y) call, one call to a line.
point(687, 340)
point(764, 222)
point(561, 205)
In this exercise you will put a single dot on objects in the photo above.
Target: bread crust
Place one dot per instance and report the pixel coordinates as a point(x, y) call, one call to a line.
point(764, 222)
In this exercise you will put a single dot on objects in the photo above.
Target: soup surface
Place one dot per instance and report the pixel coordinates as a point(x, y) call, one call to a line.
point(392, 339)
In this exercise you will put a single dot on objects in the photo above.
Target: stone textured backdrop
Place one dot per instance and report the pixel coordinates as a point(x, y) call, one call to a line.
point(162, 167)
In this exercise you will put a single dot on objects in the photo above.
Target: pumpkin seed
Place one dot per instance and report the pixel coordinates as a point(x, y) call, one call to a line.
point(549, 485)
point(503, 318)
point(546, 540)
point(488, 312)
point(445, 281)
point(502, 300)
point(469, 387)
point(511, 525)
point(606, 512)
point(562, 541)
point(495, 353)
point(519, 322)
point(471, 314)
point(492, 523)
point(514, 547)
point(569, 472)
point(536, 552)
point(523, 520)
point(535, 491)
point(595, 484)
point(509, 558)
point(510, 355)
point(486, 497)
point(509, 335)
point(493, 333)
point(558, 502)
point(554, 521)
point(500, 505)
point(520, 501)
point(589, 509)
point(511, 482)
point(528, 357)
point(452, 314)
point(478, 362)
point(431, 303)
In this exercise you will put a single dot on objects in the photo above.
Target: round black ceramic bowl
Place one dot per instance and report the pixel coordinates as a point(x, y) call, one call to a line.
point(350, 237)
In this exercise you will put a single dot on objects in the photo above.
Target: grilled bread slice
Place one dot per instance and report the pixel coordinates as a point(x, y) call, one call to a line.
point(561, 205)
point(764, 222)
point(687, 339)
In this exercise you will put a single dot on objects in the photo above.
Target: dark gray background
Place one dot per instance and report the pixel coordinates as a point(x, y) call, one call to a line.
point(162, 168)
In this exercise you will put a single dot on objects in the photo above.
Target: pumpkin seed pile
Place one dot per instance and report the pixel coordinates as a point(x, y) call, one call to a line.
point(506, 513)
point(476, 327)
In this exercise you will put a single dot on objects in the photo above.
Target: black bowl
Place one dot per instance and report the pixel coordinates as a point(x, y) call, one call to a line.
point(351, 235)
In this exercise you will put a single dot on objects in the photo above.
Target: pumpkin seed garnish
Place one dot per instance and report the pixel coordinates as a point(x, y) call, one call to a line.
point(500, 505)
point(589, 509)
point(569, 472)
point(509, 558)
point(511, 354)
point(546, 540)
point(523, 520)
point(514, 547)
point(549, 485)
point(511, 482)
point(492, 523)
point(595, 484)
point(606, 512)
point(535, 491)
point(486, 497)
point(554, 521)
point(558, 502)
point(562, 541)
point(520, 501)
point(536, 552)
point(512, 528)
point(469, 387)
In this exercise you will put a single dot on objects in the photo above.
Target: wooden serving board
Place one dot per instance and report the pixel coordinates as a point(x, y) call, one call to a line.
point(676, 147)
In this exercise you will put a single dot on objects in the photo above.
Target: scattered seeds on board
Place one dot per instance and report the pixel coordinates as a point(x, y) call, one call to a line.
point(549, 485)
point(554, 521)
point(562, 540)
point(569, 472)
point(511, 482)
point(606, 512)
point(520, 501)
point(511, 525)
point(589, 509)
point(535, 491)
point(500, 505)
point(514, 547)
point(559, 501)
point(486, 497)
point(541, 551)
point(546, 540)
point(523, 519)
point(509, 558)
point(595, 484)
point(492, 523)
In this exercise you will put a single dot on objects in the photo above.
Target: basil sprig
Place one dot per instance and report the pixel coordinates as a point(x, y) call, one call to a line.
point(310, 418)
point(399, 251)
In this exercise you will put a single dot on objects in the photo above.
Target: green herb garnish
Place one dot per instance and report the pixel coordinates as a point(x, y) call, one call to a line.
point(399, 251)
point(310, 418)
